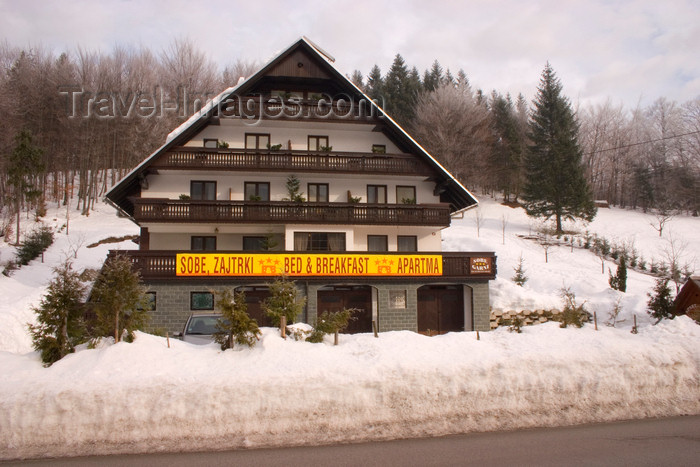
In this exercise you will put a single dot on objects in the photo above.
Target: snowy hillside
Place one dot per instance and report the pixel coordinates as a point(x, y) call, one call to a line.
point(580, 270)
point(146, 396)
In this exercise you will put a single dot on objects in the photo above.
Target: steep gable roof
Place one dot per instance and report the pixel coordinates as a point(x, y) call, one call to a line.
point(303, 60)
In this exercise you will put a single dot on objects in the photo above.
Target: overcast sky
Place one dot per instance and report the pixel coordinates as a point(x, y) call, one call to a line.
point(629, 51)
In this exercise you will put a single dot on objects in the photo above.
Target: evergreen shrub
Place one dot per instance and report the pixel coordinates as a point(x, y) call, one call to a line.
point(35, 244)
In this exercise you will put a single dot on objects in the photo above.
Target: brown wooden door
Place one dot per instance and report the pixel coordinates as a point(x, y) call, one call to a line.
point(440, 309)
point(254, 297)
point(337, 298)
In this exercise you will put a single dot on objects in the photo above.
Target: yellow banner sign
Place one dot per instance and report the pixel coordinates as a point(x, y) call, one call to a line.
point(293, 264)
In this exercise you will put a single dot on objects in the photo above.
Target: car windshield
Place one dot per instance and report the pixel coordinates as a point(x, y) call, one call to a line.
point(202, 325)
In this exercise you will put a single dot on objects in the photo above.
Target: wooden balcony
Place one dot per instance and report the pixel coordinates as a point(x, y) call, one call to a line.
point(192, 158)
point(161, 265)
point(281, 212)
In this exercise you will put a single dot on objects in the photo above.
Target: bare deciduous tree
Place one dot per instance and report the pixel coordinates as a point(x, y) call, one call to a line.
point(454, 127)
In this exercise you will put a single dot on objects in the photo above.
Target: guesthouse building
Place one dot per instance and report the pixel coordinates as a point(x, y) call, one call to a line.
point(295, 171)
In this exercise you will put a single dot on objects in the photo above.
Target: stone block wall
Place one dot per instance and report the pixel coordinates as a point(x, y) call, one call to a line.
point(528, 317)
point(173, 304)
point(397, 319)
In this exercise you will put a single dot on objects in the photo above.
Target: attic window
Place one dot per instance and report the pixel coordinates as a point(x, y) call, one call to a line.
point(211, 143)
point(300, 65)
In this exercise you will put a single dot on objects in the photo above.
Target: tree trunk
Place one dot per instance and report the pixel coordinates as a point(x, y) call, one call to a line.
point(116, 327)
point(18, 216)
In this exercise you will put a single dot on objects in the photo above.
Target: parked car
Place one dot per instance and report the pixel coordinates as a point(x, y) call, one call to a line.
point(200, 327)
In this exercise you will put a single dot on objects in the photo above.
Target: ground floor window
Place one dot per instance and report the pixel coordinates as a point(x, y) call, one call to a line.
point(397, 299)
point(201, 301)
point(150, 301)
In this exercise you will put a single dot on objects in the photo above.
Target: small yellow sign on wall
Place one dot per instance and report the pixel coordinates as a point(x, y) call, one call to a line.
point(293, 264)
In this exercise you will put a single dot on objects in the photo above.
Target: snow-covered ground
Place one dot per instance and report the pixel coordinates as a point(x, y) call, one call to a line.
point(147, 396)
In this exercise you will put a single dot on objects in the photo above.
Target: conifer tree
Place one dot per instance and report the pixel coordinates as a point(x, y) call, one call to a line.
point(235, 325)
point(120, 300)
point(401, 91)
point(375, 85)
point(555, 186)
point(660, 305)
point(283, 301)
point(520, 278)
point(60, 316)
point(357, 79)
point(619, 280)
point(508, 148)
point(432, 79)
point(23, 168)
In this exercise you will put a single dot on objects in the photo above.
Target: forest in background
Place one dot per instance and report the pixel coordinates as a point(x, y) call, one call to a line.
point(645, 157)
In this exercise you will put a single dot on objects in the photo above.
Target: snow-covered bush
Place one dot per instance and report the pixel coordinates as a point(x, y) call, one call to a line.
point(235, 325)
point(660, 304)
point(119, 300)
point(573, 313)
point(283, 301)
point(330, 323)
point(60, 316)
point(35, 244)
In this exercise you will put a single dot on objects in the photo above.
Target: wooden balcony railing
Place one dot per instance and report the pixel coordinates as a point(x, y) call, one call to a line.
point(188, 158)
point(161, 265)
point(186, 211)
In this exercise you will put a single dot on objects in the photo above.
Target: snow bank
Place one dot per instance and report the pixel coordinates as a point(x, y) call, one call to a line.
point(146, 397)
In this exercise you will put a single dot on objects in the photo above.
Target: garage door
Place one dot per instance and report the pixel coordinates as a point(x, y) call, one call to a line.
point(440, 309)
point(338, 298)
point(254, 297)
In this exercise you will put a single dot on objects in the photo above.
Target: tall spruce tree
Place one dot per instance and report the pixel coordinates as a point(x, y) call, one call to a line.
point(505, 160)
point(556, 185)
point(401, 89)
point(375, 85)
point(432, 79)
point(23, 170)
